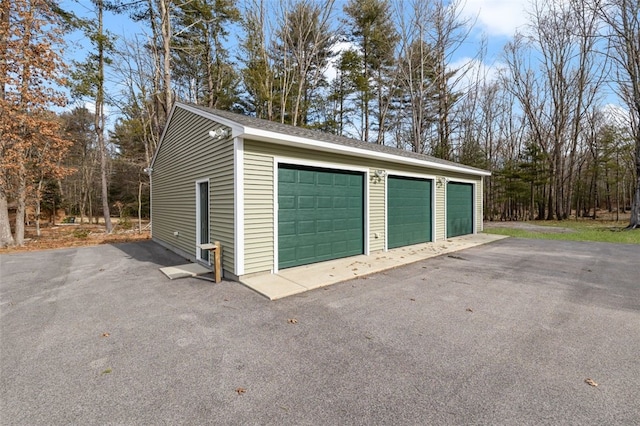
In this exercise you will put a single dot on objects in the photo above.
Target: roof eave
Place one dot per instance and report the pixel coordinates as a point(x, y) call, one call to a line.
point(239, 130)
point(297, 141)
point(236, 129)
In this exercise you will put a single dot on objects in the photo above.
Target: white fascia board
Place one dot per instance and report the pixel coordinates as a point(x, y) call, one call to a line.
point(297, 141)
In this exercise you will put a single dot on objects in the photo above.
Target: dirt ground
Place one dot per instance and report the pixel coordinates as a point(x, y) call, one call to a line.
point(528, 226)
point(77, 235)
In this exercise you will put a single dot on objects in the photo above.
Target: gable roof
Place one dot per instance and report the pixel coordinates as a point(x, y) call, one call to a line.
point(273, 132)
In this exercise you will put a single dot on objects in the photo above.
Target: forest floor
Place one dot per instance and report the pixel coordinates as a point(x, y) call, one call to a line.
point(78, 235)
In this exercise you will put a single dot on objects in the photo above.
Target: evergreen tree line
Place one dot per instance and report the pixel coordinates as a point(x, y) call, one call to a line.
point(385, 72)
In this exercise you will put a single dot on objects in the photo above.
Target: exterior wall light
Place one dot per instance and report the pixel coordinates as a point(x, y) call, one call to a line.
point(218, 133)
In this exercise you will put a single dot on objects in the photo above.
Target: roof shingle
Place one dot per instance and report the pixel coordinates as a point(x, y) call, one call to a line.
point(318, 135)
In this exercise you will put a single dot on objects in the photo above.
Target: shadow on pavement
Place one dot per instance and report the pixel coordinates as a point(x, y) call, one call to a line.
point(151, 252)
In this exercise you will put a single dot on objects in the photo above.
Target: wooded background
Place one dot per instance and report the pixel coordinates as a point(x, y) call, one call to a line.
point(557, 124)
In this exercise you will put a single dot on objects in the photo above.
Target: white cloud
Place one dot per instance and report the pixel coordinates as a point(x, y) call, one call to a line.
point(617, 115)
point(476, 72)
point(331, 71)
point(91, 106)
point(497, 17)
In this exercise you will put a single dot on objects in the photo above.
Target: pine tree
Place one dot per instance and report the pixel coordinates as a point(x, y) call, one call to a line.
point(202, 62)
point(89, 82)
point(372, 29)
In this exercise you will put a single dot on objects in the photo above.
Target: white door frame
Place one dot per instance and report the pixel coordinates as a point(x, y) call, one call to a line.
point(200, 239)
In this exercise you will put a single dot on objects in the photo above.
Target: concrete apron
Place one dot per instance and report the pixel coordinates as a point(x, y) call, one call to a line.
point(297, 280)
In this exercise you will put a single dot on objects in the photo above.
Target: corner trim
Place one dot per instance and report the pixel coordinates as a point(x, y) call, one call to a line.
point(238, 189)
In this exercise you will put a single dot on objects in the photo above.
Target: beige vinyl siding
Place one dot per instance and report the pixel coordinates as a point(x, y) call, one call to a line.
point(479, 209)
point(188, 154)
point(258, 212)
point(440, 212)
point(377, 211)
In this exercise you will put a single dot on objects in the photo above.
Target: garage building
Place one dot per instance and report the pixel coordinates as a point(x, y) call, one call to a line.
point(278, 196)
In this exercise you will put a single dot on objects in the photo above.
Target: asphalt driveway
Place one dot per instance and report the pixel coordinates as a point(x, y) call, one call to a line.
point(504, 333)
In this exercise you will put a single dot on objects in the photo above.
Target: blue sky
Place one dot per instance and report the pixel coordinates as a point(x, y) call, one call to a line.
point(495, 20)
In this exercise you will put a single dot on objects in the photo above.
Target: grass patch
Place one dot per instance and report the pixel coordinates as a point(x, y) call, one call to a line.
point(81, 233)
point(609, 232)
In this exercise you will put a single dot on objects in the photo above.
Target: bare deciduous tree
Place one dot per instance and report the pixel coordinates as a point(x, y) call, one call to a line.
point(623, 33)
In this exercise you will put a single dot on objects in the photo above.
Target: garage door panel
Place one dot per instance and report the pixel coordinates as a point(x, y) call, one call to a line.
point(459, 209)
point(340, 203)
point(327, 215)
point(287, 228)
point(324, 225)
point(324, 202)
point(285, 175)
point(409, 211)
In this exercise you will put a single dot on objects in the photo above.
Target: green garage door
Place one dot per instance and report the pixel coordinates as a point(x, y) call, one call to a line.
point(320, 215)
point(459, 209)
point(408, 211)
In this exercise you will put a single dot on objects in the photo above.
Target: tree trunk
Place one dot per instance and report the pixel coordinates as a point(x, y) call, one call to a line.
point(634, 220)
point(39, 207)
point(165, 27)
point(20, 211)
point(6, 239)
point(140, 207)
point(100, 120)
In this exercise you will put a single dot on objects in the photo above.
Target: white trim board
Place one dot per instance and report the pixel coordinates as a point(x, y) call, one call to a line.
point(238, 210)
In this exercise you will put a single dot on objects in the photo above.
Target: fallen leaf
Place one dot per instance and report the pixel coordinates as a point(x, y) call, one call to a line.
point(240, 391)
point(292, 321)
point(469, 310)
point(226, 300)
point(106, 334)
point(452, 256)
point(590, 382)
point(107, 371)
point(412, 299)
point(101, 269)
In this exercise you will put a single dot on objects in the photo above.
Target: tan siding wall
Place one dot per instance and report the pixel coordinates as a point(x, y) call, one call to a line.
point(258, 193)
point(188, 154)
point(479, 210)
point(441, 218)
point(377, 209)
point(258, 211)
